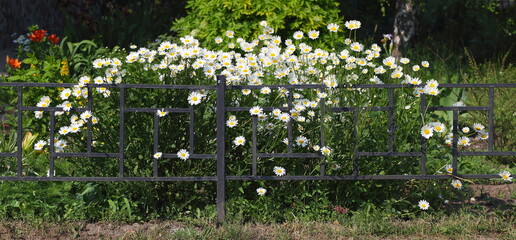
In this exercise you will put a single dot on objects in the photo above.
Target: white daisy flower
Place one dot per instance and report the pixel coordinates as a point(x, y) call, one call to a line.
point(161, 113)
point(427, 131)
point(483, 135)
point(39, 145)
point(246, 91)
point(231, 123)
point(279, 171)
point(448, 168)
point(439, 127)
point(194, 98)
point(65, 93)
point(313, 34)
point(39, 114)
point(302, 141)
point(256, 110)
point(285, 117)
point(183, 154)
point(457, 184)
point(261, 191)
point(67, 106)
point(478, 127)
point(239, 141)
point(404, 60)
point(335, 166)
point(432, 83)
point(505, 175)
point(230, 34)
point(333, 27)
point(75, 127)
point(86, 115)
point(298, 35)
point(463, 141)
point(352, 24)
point(265, 90)
point(423, 204)
point(431, 90)
point(64, 130)
point(326, 151)
point(357, 47)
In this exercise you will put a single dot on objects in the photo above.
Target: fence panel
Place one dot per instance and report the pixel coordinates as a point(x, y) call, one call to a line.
point(221, 109)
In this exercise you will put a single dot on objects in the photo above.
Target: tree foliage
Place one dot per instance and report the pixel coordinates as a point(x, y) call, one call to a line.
point(208, 19)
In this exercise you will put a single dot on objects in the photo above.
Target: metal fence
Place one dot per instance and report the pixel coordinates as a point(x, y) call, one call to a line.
point(222, 108)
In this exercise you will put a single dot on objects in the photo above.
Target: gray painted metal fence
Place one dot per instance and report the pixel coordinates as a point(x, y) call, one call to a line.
point(221, 109)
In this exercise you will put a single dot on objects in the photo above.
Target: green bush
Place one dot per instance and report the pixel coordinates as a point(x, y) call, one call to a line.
point(207, 19)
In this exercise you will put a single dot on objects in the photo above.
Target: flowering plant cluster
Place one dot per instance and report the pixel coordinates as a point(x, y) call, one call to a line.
point(35, 35)
point(263, 61)
point(39, 58)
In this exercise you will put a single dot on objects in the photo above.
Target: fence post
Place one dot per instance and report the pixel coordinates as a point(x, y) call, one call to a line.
point(221, 165)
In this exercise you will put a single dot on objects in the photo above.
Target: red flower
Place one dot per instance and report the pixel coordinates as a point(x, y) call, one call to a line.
point(37, 35)
point(14, 63)
point(53, 38)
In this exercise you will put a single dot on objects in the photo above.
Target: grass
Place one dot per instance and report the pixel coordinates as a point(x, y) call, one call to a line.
point(462, 224)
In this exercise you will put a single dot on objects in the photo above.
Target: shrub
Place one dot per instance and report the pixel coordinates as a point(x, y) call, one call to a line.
point(207, 20)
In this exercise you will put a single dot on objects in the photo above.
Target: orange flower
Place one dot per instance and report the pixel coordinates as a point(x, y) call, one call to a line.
point(13, 62)
point(37, 35)
point(53, 38)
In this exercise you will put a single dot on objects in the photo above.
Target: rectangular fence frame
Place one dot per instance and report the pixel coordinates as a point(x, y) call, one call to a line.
point(221, 109)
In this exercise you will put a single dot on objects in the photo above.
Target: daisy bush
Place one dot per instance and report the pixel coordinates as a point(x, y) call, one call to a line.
point(260, 62)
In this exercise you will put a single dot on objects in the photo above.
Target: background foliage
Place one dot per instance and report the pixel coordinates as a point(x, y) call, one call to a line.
point(208, 19)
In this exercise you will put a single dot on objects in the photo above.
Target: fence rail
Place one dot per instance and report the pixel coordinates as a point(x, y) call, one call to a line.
point(221, 109)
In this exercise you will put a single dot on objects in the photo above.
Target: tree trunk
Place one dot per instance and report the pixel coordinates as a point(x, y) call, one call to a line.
point(404, 25)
